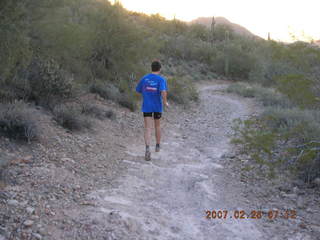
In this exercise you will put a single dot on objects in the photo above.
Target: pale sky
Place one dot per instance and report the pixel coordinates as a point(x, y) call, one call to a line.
point(279, 17)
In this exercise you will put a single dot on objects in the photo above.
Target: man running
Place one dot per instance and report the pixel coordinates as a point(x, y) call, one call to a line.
point(153, 88)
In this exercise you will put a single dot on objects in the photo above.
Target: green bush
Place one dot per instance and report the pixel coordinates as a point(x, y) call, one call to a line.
point(283, 139)
point(111, 92)
point(267, 96)
point(284, 120)
point(106, 91)
point(128, 100)
point(96, 111)
point(48, 82)
point(182, 90)
point(17, 121)
point(299, 90)
point(70, 117)
point(241, 89)
point(7, 95)
point(14, 48)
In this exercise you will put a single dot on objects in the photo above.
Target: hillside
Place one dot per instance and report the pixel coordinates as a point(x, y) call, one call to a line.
point(221, 20)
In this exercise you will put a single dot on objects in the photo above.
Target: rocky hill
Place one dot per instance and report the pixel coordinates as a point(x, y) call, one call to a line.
point(221, 20)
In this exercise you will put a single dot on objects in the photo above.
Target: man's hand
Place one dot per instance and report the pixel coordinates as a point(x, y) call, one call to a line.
point(167, 104)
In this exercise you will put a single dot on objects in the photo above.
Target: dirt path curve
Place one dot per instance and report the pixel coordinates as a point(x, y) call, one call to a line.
point(167, 197)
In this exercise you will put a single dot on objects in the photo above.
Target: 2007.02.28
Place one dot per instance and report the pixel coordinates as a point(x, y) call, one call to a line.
point(254, 214)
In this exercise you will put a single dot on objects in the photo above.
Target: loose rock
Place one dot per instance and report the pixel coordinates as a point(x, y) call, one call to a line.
point(28, 223)
point(30, 210)
point(13, 202)
point(37, 236)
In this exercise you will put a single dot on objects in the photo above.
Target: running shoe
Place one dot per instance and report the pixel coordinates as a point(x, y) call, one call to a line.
point(157, 148)
point(148, 156)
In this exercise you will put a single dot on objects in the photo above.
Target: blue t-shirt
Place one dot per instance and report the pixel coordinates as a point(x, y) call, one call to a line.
point(150, 86)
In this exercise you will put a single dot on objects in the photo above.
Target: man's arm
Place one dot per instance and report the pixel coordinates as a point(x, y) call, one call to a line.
point(164, 98)
point(139, 87)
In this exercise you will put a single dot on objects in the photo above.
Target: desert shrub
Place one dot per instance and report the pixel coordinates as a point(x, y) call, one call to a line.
point(265, 71)
point(286, 119)
point(299, 90)
point(267, 96)
point(123, 96)
point(106, 91)
point(199, 31)
point(283, 139)
point(110, 114)
point(220, 32)
point(17, 121)
point(48, 82)
point(128, 100)
point(70, 117)
point(7, 95)
point(181, 90)
point(96, 111)
point(241, 89)
point(93, 110)
point(14, 48)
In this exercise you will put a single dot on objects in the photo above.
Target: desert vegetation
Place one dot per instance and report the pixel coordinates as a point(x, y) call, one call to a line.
point(52, 52)
point(285, 137)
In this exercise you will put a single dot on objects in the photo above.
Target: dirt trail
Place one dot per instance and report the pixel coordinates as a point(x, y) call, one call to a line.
point(167, 197)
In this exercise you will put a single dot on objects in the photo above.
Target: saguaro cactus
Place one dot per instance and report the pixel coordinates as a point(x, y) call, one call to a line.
point(226, 53)
point(213, 23)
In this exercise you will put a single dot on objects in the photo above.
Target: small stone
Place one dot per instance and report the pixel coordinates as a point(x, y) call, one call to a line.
point(37, 236)
point(315, 228)
point(28, 223)
point(42, 231)
point(290, 195)
point(24, 203)
point(34, 217)
point(13, 202)
point(317, 181)
point(285, 188)
point(309, 210)
point(67, 160)
point(30, 210)
point(3, 195)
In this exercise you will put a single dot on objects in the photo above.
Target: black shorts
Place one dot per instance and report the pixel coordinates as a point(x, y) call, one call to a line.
point(156, 115)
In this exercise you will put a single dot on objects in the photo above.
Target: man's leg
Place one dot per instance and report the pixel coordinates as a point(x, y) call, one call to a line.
point(147, 135)
point(157, 130)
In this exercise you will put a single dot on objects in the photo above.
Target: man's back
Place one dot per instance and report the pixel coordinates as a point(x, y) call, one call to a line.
point(150, 86)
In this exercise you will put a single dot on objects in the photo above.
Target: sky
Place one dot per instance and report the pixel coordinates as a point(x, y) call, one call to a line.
point(281, 18)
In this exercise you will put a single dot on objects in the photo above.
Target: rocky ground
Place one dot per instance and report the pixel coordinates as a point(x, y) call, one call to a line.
point(96, 185)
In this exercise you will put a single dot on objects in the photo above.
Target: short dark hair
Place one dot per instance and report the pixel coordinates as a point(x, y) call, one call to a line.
point(155, 66)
